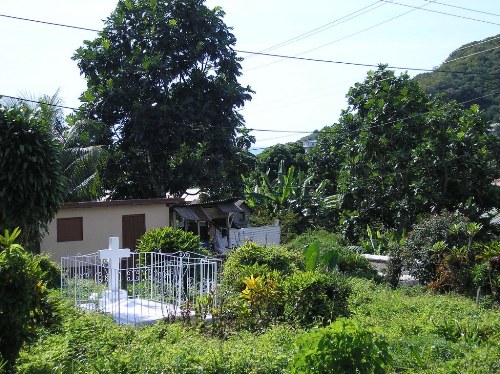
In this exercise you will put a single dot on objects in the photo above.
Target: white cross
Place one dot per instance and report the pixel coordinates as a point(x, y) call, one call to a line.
point(114, 255)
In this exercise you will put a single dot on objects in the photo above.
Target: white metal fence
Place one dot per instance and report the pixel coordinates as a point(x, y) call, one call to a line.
point(145, 287)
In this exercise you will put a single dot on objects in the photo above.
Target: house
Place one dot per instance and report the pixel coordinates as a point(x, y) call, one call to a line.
point(85, 227)
point(223, 224)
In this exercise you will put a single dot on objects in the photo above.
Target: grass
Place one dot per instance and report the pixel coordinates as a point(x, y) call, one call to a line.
point(426, 333)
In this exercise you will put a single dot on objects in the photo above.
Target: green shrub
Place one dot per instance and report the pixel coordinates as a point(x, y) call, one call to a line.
point(342, 347)
point(51, 271)
point(170, 240)
point(279, 258)
point(419, 252)
point(24, 298)
point(338, 255)
point(313, 297)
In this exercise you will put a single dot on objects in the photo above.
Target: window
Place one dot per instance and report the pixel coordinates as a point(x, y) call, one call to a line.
point(70, 229)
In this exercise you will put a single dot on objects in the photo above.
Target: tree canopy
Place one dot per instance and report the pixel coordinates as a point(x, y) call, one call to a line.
point(162, 75)
point(480, 63)
point(292, 154)
point(397, 152)
point(31, 183)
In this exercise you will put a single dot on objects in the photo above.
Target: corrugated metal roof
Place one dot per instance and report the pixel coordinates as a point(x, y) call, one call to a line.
point(193, 213)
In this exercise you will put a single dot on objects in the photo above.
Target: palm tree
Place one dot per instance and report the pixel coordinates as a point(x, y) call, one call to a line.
point(80, 160)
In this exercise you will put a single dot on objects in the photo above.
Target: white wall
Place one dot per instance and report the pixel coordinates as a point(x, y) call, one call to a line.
point(99, 223)
point(265, 235)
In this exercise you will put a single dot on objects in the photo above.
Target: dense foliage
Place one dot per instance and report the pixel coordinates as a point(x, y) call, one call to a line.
point(169, 240)
point(478, 84)
point(315, 298)
point(24, 298)
point(342, 347)
point(254, 259)
point(332, 253)
point(423, 333)
point(162, 76)
point(397, 153)
point(31, 184)
point(291, 154)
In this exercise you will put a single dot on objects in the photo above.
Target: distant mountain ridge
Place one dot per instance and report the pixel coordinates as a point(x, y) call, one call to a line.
point(481, 85)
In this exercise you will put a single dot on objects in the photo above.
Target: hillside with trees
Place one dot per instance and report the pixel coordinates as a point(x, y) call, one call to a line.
point(478, 84)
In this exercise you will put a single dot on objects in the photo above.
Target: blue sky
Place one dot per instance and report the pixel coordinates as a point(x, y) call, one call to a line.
point(290, 95)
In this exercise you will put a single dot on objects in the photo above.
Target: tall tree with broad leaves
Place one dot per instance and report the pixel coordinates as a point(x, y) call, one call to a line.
point(162, 75)
point(397, 153)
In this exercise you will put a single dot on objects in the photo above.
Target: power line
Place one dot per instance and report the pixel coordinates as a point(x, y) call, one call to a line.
point(472, 54)
point(343, 38)
point(366, 29)
point(459, 7)
point(269, 130)
point(439, 12)
point(478, 43)
point(38, 102)
point(360, 64)
point(327, 26)
point(416, 115)
point(49, 23)
point(270, 54)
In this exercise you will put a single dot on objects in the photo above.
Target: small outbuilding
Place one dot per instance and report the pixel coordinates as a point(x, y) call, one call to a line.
point(83, 227)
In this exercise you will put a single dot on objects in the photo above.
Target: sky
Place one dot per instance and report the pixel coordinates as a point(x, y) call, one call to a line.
point(292, 97)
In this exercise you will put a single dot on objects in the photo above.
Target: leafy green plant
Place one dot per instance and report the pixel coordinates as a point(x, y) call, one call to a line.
point(419, 253)
point(278, 258)
point(31, 183)
point(325, 250)
point(312, 297)
point(24, 302)
point(263, 296)
point(342, 347)
point(170, 240)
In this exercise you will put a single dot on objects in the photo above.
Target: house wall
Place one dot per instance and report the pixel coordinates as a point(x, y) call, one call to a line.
point(99, 223)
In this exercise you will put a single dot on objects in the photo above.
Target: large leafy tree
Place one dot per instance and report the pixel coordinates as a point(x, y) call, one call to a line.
point(397, 153)
point(162, 75)
point(31, 183)
point(291, 154)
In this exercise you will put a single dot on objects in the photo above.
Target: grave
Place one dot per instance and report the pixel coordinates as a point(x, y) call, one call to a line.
point(137, 288)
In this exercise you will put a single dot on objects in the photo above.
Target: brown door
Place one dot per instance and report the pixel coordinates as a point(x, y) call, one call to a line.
point(133, 226)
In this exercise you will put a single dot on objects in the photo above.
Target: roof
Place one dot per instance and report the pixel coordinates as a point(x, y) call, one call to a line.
point(209, 211)
point(93, 204)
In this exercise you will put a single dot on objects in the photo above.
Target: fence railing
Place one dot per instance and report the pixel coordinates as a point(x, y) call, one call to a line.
point(152, 285)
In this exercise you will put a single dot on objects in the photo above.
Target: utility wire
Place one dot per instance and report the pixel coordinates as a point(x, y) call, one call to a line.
point(343, 38)
point(276, 131)
point(472, 54)
point(478, 43)
point(459, 7)
point(439, 12)
point(270, 54)
point(360, 64)
point(49, 23)
point(327, 26)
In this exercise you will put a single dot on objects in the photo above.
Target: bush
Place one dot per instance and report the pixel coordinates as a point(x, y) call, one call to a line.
point(419, 254)
point(312, 297)
point(51, 271)
point(342, 347)
point(339, 256)
point(258, 257)
point(24, 298)
point(31, 184)
point(170, 240)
